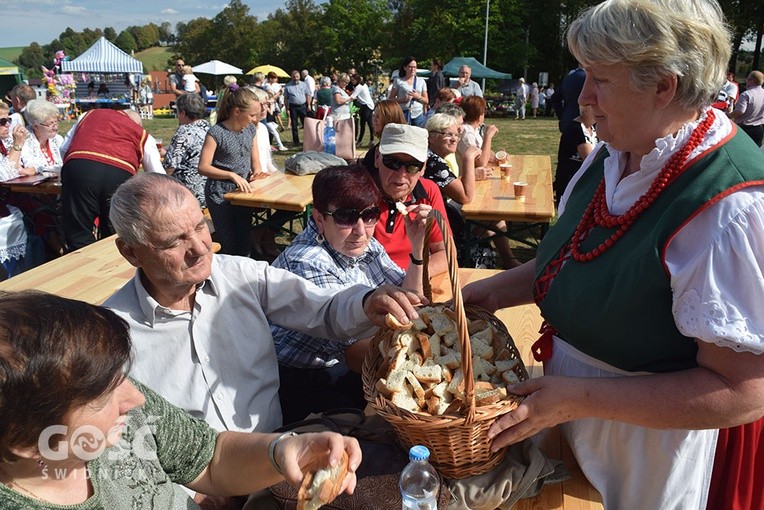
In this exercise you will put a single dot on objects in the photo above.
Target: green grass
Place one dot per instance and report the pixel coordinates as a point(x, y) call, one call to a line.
point(154, 59)
point(11, 53)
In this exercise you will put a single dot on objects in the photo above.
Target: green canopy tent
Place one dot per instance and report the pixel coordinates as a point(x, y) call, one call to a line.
point(478, 70)
point(10, 76)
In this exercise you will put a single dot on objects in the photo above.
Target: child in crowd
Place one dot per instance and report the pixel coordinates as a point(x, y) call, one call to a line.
point(190, 82)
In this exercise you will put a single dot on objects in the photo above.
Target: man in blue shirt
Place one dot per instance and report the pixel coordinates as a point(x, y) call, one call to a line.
point(298, 99)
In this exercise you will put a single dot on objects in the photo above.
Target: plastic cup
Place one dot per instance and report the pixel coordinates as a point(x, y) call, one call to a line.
point(501, 156)
point(506, 170)
point(520, 189)
point(159, 144)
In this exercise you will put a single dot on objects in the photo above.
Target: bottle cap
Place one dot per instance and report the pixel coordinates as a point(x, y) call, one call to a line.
point(329, 121)
point(419, 452)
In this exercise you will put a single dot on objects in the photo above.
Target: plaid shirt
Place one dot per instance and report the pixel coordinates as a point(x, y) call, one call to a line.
point(328, 268)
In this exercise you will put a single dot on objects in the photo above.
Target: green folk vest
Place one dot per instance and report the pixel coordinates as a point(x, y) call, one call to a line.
point(617, 308)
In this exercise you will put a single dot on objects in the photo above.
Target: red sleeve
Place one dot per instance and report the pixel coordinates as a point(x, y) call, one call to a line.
point(435, 199)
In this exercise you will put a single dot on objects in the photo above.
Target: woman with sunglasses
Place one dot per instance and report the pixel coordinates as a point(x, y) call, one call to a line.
point(43, 150)
point(336, 250)
point(10, 147)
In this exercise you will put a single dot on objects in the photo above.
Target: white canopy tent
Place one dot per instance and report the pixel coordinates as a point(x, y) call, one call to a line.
point(103, 57)
point(216, 67)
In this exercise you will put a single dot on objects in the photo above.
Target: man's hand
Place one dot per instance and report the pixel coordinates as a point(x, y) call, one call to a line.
point(395, 300)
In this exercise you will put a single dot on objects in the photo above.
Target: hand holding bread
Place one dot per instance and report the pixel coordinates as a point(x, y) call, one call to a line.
point(322, 464)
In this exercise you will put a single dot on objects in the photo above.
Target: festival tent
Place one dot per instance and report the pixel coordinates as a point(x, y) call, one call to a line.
point(478, 69)
point(103, 57)
point(216, 67)
point(10, 76)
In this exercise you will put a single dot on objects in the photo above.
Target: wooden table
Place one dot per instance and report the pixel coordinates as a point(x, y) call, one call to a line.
point(495, 201)
point(52, 187)
point(523, 323)
point(280, 191)
point(91, 274)
point(96, 271)
point(286, 192)
point(495, 197)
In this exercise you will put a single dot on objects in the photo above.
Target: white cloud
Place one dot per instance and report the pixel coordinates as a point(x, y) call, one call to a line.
point(73, 9)
point(168, 11)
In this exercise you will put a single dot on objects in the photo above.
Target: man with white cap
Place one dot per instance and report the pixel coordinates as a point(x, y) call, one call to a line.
point(398, 167)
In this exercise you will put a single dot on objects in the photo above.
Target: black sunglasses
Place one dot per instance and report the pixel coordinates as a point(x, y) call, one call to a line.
point(396, 164)
point(349, 217)
point(5, 121)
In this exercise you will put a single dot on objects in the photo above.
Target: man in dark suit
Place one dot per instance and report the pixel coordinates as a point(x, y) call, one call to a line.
point(565, 98)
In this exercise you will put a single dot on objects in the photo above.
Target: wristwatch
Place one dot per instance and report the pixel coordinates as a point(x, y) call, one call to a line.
point(16, 147)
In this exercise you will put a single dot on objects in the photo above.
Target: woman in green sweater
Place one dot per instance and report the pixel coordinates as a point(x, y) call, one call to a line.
point(75, 431)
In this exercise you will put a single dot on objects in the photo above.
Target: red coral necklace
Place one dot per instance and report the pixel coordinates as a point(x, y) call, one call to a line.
point(597, 214)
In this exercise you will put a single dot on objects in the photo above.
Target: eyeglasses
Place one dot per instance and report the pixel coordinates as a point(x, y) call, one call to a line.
point(396, 164)
point(50, 125)
point(349, 217)
point(5, 121)
point(179, 65)
point(449, 135)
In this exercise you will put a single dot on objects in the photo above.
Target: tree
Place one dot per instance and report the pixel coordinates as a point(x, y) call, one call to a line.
point(294, 37)
point(125, 42)
point(31, 58)
point(165, 33)
point(351, 33)
point(110, 34)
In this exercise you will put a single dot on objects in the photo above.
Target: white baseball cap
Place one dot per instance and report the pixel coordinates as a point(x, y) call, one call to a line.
point(404, 139)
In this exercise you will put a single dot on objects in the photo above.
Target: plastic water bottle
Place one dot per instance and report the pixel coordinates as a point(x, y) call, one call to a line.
point(419, 481)
point(330, 137)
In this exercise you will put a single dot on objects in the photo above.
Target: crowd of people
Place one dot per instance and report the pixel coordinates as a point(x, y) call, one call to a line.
point(647, 282)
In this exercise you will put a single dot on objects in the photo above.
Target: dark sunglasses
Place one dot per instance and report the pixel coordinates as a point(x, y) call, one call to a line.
point(396, 164)
point(5, 121)
point(349, 217)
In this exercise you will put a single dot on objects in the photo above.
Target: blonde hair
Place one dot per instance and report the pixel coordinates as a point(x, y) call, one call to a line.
point(655, 38)
point(188, 70)
point(241, 98)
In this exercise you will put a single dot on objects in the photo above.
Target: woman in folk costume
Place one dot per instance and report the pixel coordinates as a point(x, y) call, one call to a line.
point(650, 280)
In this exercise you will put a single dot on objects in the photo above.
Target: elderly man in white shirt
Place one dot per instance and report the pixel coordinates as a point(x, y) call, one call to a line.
point(199, 323)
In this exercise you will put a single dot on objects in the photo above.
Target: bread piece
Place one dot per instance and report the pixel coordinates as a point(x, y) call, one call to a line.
point(416, 388)
point(477, 325)
point(393, 323)
point(431, 373)
point(322, 486)
point(481, 349)
point(487, 397)
point(424, 345)
point(482, 369)
point(504, 365)
point(452, 360)
point(456, 386)
point(395, 382)
point(509, 377)
point(435, 345)
point(451, 339)
point(442, 324)
point(404, 400)
point(398, 360)
point(485, 336)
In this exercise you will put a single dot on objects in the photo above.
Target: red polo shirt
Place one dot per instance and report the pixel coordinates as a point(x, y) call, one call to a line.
point(390, 230)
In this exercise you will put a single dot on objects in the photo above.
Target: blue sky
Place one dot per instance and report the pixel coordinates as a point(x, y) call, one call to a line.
point(25, 21)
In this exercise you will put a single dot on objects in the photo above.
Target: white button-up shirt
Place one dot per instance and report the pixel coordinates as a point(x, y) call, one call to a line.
point(218, 361)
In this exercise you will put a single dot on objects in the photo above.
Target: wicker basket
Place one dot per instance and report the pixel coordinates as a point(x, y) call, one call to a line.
point(458, 443)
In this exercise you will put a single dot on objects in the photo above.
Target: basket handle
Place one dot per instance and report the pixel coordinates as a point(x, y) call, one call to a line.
point(461, 318)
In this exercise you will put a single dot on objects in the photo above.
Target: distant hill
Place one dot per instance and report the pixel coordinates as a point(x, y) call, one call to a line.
point(11, 54)
point(155, 59)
